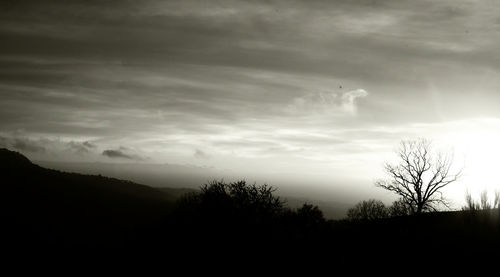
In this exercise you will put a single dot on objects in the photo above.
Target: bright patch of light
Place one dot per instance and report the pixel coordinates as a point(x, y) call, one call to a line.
point(476, 148)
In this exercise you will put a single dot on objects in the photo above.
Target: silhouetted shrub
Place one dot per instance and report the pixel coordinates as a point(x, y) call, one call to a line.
point(368, 210)
point(239, 210)
point(230, 205)
point(239, 201)
point(310, 217)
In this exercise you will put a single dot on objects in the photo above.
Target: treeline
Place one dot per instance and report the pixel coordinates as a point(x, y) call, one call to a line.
point(238, 210)
point(484, 202)
point(373, 209)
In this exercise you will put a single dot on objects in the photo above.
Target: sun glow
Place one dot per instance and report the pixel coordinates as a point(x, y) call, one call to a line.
point(476, 148)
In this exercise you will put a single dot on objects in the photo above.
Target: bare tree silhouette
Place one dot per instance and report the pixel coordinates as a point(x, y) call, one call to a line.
point(419, 176)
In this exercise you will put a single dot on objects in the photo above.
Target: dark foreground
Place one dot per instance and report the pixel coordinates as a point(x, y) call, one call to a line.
point(47, 214)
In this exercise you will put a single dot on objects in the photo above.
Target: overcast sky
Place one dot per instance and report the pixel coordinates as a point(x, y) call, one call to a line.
point(310, 89)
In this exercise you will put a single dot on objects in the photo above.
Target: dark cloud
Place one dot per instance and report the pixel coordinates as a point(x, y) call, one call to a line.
point(27, 145)
point(81, 147)
point(88, 144)
point(120, 154)
point(300, 38)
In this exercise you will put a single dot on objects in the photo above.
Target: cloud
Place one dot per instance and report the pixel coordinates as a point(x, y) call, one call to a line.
point(3, 142)
point(46, 147)
point(245, 55)
point(24, 144)
point(336, 103)
point(198, 154)
point(66, 149)
point(349, 99)
point(88, 144)
point(120, 154)
point(230, 78)
point(81, 147)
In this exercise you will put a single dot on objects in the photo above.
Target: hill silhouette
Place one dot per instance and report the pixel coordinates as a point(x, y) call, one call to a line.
point(46, 210)
point(47, 207)
point(13, 160)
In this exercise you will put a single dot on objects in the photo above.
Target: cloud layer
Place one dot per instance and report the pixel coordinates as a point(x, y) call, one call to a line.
point(291, 84)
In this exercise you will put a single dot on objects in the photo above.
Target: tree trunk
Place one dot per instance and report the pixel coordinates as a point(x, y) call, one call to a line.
point(419, 208)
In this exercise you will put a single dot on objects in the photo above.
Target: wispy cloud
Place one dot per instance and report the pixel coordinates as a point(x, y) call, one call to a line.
point(329, 103)
point(349, 99)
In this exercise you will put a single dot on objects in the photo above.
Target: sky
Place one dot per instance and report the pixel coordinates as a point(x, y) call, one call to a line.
point(315, 93)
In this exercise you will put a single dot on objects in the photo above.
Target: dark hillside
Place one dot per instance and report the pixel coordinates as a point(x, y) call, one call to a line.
point(42, 206)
